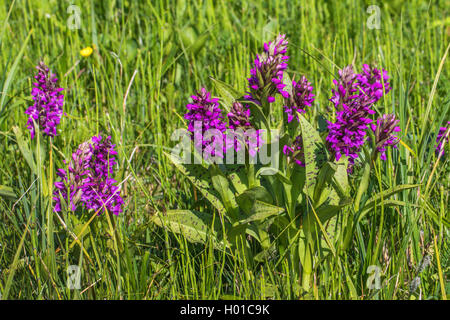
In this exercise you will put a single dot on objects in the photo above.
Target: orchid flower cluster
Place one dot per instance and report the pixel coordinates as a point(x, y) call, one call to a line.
point(47, 109)
point(88, 179)
point(301, 98)
point(353, 97)
point(205, 119)
point(205, 114)
point(266, 76)
point(384, 133)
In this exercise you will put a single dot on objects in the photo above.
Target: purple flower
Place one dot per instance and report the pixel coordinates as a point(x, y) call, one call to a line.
point(239, 117)
point(440, 139)
point(384, 131)
point(345, 88)
point(347, 134)
point(88, 180)
point(295, 151)
point(242, 130)
point(371, 82)
point(353, 98)
point(204, 114)
point(47, 109)
point(302, 97)
point(266, 76)
point(74, 179)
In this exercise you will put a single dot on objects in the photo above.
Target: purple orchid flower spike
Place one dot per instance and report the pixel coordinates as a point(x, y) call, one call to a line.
point(353, 98)
point(372, 81)
point(243, 130)
point(205, 114)
point(301, 98)
point(88, 180)
point(47, 110)
point(266, 76)
point(384, 131)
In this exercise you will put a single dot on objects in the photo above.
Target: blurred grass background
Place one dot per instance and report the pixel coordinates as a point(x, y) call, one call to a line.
point(149, 57)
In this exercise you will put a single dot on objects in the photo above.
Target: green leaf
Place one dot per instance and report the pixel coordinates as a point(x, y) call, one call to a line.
point(239, 181)
point(328, 210)
point(197, 227)
point(268, 171)
point(9, 78)
point(187, 36)
point(261, 211)
point(199, 177)
point(385, 203)
point(247, 199)
point(221, 185)
point(336, 196)
point(24, 149)
point(7, 192)
point(315, 154)
point(227, 93)
point(266, 255)
point(325, 176)
point(260, 120)
point(388, 193)
point(288, 82)
point(341, 177)
point(363, 185)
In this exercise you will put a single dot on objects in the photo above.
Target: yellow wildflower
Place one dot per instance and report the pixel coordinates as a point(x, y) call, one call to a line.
point(86, 52)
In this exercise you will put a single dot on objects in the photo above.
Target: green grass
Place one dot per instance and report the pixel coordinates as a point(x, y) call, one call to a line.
point(163, 51)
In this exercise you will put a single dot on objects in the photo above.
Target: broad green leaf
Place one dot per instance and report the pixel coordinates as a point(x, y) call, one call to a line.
point(275, 187)
point(221, 185)
point(199, 177)
point(288, 82)
point(247, 199)
point(196, 226)
point(315, 154)
point(237, 175)
point(341, 177)
point(227, 93)
point(337, 195)
point(187, 36)
point(333, 229)
point(237, 182)
point(293, 192)
point(260, 120)
point(321, 190)
point(268, 171)
point(261, 211)
point(327, 210)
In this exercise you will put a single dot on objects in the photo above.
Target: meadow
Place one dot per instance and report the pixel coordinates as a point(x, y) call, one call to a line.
point(148, 58)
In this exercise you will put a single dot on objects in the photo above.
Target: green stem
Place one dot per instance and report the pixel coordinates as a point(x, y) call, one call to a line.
point(50, 244)
point(251, 175)
point(363, 185)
